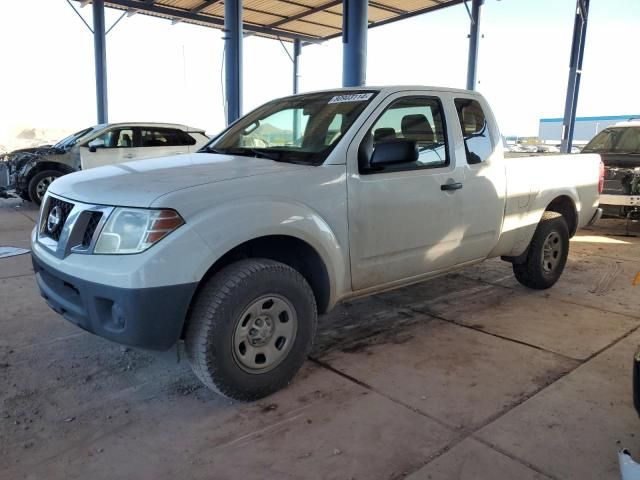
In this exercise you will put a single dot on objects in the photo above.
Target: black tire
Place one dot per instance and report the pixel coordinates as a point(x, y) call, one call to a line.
point(40, 182)
point(540, 272)
point(219, 312)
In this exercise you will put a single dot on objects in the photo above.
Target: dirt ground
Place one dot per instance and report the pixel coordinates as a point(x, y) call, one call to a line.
point(468, 376)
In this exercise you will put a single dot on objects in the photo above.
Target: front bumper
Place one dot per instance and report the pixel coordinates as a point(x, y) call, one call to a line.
point(6, 184)
point(150, 318)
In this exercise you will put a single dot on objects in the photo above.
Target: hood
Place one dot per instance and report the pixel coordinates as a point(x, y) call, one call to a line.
point(139, 183)
point(18, 158)
point(33, 152)
point(41, 149)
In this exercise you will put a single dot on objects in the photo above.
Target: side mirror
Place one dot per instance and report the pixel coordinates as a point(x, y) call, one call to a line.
point(95, 144)
point(393, 152)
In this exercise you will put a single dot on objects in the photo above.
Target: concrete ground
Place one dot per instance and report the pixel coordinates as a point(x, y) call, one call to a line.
point(468, 376)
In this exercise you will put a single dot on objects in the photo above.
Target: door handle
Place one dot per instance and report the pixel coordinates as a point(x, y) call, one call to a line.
point(451, 186)
point(128, 155)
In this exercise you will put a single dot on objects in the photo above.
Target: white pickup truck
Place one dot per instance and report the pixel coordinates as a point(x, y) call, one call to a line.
point(303, 203)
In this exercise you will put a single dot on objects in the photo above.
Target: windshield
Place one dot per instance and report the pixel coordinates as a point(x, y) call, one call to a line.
point(301, 129)
point(72, 139)
point(616, 140)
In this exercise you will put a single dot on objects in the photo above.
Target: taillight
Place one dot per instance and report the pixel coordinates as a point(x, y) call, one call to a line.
point(601, 180)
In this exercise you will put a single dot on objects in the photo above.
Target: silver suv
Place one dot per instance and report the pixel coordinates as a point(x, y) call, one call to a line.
point(29, 172)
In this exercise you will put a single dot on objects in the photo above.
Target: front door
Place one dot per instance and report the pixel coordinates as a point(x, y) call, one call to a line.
point(113, 146)
point(405, 220)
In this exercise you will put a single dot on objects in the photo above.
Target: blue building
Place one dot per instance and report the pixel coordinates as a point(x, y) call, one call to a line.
point(550, 129)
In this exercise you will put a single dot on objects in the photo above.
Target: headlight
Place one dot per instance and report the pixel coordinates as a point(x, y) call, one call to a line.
point(133, 230)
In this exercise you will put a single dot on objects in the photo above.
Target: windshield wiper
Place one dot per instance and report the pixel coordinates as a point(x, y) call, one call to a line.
point(209, 149)
point(266, 154)
point(259, 153)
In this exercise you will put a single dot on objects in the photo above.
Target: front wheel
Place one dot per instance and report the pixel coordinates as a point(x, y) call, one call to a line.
point(39, 184)
point(547, 253)
point(251, 328)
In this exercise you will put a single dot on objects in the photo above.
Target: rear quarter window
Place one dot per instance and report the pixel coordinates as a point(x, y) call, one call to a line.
point(475, 130)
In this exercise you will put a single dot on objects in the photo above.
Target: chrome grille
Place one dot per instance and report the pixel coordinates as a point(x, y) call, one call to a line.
point(77, 228)
point(64, 209)
point(92, 225)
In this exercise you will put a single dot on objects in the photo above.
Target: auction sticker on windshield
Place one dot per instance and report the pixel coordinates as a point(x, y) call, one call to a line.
point(353, 97)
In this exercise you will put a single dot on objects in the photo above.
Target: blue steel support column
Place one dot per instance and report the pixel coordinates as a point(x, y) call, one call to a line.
point(233, 58)
point(575, 73)
point(474, 34)
point(297, 47)
point(354, 42)
point(100, 52)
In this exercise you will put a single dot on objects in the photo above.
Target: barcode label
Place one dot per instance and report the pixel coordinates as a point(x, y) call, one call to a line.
point(353, 97)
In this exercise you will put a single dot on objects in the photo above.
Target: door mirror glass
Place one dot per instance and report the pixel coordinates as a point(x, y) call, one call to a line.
point(394, 152)
point(95, 144)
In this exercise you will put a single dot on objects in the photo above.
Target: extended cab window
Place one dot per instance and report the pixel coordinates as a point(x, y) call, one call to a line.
point(419, 119)
point(475, 130)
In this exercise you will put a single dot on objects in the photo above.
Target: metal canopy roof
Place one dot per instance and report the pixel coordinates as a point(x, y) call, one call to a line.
point(307, 20)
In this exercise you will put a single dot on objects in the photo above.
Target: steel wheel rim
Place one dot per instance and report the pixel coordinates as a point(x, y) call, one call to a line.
point(264, 334)
point(43, 185)
point(551, 252)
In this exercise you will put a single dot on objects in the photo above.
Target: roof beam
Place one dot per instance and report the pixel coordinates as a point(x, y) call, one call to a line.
point(388, 8)
point(198, 9)
point(310, 11)
point(203, 5)
point(413, 13)
point(132, 11)
point(210, 20)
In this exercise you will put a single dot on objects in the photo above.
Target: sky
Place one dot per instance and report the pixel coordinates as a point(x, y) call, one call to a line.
point(173, 73)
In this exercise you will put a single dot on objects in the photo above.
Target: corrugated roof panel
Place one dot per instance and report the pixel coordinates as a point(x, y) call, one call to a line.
point(280, 7)
point(409, 5)
point(309, 29)
point(335, 9)
point(216, 9)
point(378, 14)
point(325, 18)
point(182, 4)
point(310, 19)
point(260, 18)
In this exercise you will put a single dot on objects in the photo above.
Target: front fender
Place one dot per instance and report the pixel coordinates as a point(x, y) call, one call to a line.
point(235, 222)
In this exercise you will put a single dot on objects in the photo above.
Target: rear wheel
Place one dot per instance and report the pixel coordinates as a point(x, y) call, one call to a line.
point(251, 328)
point(39, 184)
point(547, 253)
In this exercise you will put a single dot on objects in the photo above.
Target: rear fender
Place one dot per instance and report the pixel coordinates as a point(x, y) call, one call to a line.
point(520, 223)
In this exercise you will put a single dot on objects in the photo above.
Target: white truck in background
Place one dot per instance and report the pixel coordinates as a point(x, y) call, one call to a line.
point(305, 202)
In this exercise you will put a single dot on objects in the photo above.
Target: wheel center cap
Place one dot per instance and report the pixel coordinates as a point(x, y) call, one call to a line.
point(261, 330)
